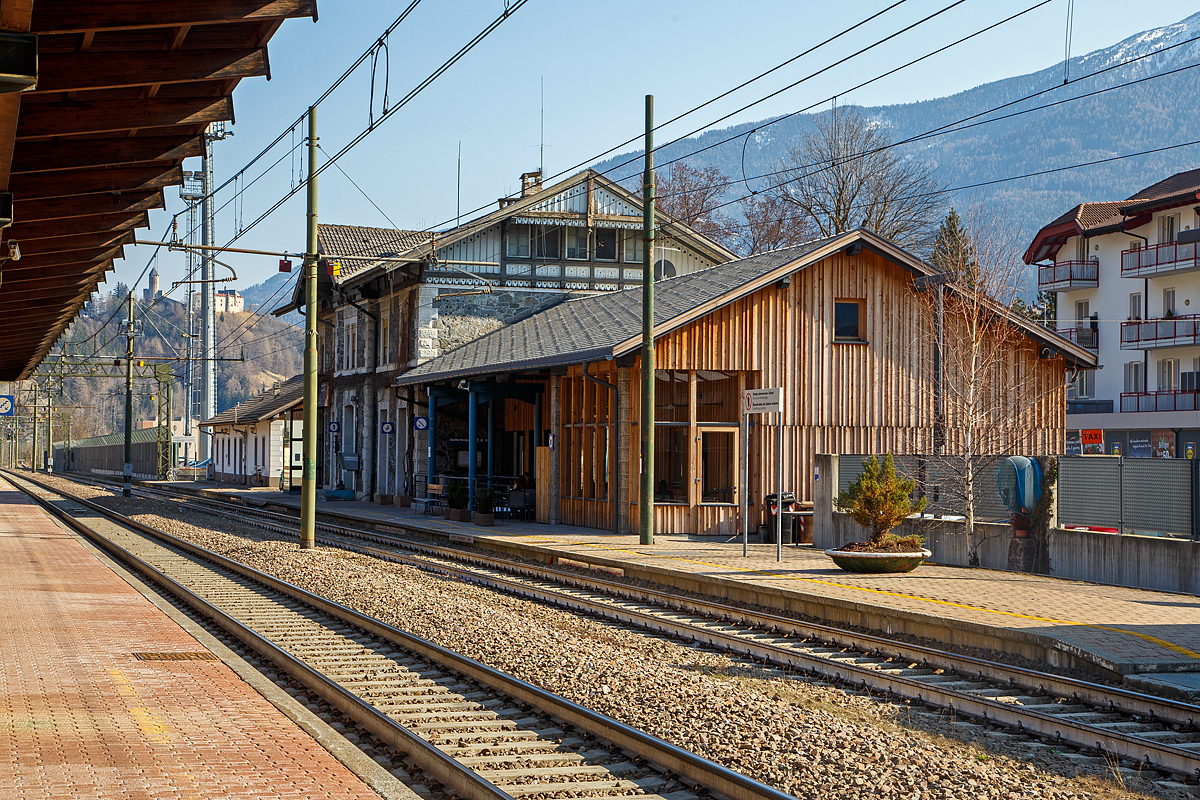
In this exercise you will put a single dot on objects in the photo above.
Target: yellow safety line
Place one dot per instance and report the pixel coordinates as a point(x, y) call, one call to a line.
point(1144, 636)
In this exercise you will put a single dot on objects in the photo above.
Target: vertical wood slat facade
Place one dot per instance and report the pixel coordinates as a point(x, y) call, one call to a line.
point(841, 397)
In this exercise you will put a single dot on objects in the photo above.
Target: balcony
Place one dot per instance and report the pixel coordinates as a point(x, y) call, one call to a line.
point(1160, 401)
point(1158, 259)
point(1166, 332)
point(1068, 275)
point(1084, 337)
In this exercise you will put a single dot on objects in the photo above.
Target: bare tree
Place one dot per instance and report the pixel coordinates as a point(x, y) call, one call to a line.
point(846, 174)
point(992, 397)
point(771, 223)
point(693, 196)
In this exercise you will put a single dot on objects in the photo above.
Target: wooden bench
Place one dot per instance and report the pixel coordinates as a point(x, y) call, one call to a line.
point(434, 492)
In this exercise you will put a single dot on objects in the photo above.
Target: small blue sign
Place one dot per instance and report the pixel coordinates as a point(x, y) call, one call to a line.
point(8, 406)
point(388, 428)
point(334, 427)
point(420, 423)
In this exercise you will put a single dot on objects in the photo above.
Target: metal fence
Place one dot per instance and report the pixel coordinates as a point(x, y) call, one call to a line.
point(1143, 496)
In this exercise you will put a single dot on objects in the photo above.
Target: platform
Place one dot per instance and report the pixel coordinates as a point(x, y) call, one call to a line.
point(82, 715)
point(1151, 637)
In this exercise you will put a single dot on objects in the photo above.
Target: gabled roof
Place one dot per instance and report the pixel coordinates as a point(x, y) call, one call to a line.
point(1094, 219)
point(608, 326)
point(359, 242)
point(262, 406)
point(136, 436)
point(1182, 188)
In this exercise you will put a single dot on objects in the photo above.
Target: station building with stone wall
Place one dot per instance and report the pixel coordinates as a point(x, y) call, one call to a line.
point(390, 300)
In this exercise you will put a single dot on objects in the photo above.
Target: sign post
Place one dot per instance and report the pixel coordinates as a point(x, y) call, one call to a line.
point(762, 401)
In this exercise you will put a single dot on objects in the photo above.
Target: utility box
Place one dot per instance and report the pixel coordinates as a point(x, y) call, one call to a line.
point(351, 462)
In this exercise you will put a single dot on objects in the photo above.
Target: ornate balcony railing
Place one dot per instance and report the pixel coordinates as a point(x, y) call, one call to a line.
point(1165, 332)
point(1069, 275)
point(1160, 401)
point(1159, 258)
point(1084, 337)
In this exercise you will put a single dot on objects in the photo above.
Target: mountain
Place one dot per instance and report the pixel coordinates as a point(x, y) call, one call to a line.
point(260, 349)
point(1157, 113)
point(272, 293)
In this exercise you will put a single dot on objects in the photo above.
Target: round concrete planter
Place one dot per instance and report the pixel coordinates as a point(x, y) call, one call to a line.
point(877, 562)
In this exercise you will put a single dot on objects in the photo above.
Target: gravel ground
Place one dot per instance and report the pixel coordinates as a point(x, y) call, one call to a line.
point(807, 739)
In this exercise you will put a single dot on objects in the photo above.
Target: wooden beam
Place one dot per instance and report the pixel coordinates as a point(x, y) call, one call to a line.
point(15, 17)
point(67, 183)
point(59, 290)
point(13, 272)
point(91, 116)
point(86, 205)
point(67, 244)
point(79, 16)
point(71, 72)
point(74, 257)
point(96, 223)
point(110, 151)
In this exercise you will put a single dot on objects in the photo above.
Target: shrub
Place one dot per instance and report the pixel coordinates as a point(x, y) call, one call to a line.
point(485, 500)
point(456, 495)
point(879, 499)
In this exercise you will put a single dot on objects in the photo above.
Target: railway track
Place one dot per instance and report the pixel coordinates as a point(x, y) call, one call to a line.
point(1141, 730)
point(480, 733)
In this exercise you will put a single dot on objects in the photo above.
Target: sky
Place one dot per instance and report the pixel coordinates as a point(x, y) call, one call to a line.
point(571, 76)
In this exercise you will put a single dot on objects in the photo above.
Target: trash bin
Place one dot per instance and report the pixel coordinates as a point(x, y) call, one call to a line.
point(788, 527)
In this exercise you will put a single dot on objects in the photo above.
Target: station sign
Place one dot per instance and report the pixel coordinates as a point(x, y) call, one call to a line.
point(762, 401)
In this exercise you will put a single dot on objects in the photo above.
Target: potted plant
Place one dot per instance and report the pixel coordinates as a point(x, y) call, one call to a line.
point(485, 506)
point(456, 502)
point(879, 500)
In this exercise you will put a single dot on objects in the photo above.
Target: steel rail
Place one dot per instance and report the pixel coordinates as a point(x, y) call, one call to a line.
point(1025, 718)
point(717, 779)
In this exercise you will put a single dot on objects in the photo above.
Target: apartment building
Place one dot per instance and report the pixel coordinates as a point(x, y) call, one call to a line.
point(1127, 284)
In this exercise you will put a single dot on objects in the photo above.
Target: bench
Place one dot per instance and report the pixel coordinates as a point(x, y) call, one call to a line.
point(434, 493)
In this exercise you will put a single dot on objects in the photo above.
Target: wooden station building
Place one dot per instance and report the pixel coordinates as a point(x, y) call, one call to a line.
point(836, 322)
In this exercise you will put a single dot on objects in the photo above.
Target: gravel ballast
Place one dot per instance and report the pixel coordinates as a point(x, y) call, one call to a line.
point(808, 739)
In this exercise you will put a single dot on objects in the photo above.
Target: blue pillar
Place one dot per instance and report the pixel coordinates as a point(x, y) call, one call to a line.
point(472, 447)
point(432, 439)
point(537, 435)
point(491, 450)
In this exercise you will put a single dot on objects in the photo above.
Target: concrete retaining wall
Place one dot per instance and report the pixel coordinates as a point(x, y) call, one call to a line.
point(1145, 562)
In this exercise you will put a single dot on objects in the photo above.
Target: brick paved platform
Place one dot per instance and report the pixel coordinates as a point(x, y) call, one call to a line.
point(1102, 629)
point(82, 717)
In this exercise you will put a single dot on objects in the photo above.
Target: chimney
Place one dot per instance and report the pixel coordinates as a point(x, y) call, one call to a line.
point(531, 183)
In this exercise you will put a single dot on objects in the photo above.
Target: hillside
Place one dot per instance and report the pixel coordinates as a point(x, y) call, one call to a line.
point(1160, 112)
point(273, 350)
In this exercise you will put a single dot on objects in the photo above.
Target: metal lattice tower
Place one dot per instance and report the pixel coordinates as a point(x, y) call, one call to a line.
point(191, 192)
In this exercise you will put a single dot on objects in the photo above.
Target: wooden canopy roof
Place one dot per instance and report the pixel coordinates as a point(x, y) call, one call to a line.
point(126, 89)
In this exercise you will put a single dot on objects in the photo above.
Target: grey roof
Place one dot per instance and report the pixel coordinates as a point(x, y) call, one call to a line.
point(601, 327)
point(136, 436)
point(262, 406)
point(592, 327)
point(355, 240)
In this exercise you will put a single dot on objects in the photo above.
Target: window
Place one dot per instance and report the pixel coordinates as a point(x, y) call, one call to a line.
point(670, 396)
point(1084, 385)
point(577, 243)
point(1081, 313)
point(1168, 375)
point(670, 464)
point(1168, 302)
point(606, 244)
point(546, 243)
point(1081, 249)
point(385, 342)
point(516, 241)
point(352, 345)
point(1133, 377)
point(1135, 244)
point(1168, 228)
point(1135, 305)
point(634, 247)
point(718, 457)
point(848, 319)
point(717, 398)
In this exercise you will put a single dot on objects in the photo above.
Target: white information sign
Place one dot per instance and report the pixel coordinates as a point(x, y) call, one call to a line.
point(762, 401)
